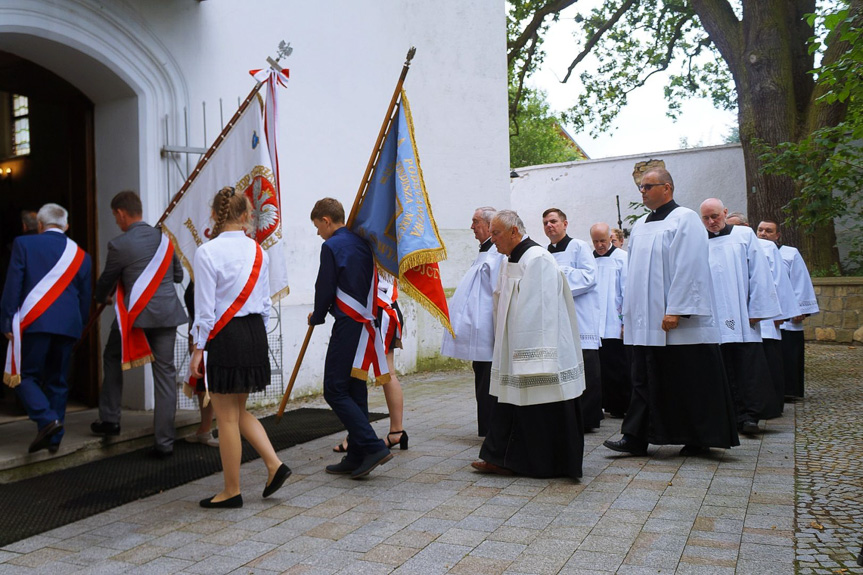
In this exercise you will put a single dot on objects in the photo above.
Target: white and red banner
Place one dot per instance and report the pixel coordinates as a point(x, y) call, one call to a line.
point(242, 161)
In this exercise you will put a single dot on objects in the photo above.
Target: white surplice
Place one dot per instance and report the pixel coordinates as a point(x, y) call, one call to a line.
point(537, 355)
point(579, 267)
point(784, 290)
point(669, 274)
point(742, 285)
point(471, 310)
point(610, 284)
point(802, 284)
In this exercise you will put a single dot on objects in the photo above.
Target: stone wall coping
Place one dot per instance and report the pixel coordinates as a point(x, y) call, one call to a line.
point(848, 281)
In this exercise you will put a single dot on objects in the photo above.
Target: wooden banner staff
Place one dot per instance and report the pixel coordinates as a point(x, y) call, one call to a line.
point(364, 185)
point(283, 51)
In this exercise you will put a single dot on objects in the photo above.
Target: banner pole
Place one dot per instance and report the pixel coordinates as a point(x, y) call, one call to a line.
point(364, 184)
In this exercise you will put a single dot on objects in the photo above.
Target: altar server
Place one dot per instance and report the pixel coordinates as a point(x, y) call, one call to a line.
point(680, 393)
point(471, 312)
point(576, 261)
point(611, 263)
point(744, 295)
point(792, 330)
point(537, 369)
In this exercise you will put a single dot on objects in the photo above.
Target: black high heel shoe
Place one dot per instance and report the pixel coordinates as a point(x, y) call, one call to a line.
point(402, 442)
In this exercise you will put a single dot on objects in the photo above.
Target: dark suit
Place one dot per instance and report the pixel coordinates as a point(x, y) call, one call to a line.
point(46, 344)
point(128, 255)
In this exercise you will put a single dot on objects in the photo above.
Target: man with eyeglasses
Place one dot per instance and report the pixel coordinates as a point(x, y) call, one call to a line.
point(575, 259)
point(680, 394)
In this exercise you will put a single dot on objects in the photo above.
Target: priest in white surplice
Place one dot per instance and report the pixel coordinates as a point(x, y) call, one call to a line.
point(576, 261)
point(792, 330)
point(744, 295)
point(614, 360)
point(680, 393)
point(537, 368)
point(470, 313)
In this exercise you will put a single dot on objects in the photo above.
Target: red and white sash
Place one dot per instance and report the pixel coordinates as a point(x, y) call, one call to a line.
point(370, 351)
point(391, 327)
point(37, 301)
point(136, 350)
point(243, 290)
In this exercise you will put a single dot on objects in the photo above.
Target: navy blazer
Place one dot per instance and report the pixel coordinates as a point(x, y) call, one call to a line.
point(33, 256)
point(346, 263)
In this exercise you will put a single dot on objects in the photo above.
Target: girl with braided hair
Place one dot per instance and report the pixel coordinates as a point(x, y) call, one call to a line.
point(232, 307)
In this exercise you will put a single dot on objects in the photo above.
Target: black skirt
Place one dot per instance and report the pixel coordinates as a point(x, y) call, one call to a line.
point(238, 358)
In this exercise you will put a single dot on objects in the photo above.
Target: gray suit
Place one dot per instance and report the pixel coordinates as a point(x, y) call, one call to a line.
point(128, 255)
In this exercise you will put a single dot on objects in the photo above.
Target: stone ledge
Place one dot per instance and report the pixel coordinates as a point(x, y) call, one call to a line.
point(848, 281)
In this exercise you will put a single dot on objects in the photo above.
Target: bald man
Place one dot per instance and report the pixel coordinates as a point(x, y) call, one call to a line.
point(614, 361)
point(744, 295)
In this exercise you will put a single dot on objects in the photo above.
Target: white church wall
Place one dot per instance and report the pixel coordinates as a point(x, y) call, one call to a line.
point(586, 190)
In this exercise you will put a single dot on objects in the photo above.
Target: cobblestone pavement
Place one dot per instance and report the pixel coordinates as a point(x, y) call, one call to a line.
point(829, 451)
point(427, 512)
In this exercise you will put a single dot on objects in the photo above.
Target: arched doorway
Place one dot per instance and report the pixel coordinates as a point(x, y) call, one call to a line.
point(46, 125)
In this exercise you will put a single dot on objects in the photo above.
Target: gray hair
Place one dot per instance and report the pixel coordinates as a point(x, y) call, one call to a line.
point(53, 215)
point(740, 216)
point(510, 219)
point(486, 213)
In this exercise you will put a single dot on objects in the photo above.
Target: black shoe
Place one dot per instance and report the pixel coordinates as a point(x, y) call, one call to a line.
point(105, 428)
point(370, 462)
point(343, 467)
point(750, 427)
point(692, 450)
point(234, 502)
point(53, 448)
point(627, 444)
point(282, 474)
point(43, 437)
point(402, 442)
point(155, 453)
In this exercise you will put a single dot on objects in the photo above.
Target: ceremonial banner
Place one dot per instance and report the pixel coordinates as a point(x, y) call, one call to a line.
point(395, 217)
point(242, 161)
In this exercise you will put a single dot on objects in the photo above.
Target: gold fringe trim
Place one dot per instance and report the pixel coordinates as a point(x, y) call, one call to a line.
point(137, 363)
point(418, 296)
point(281, 293)
point(188, 390)
point(206, 401)
point(12, 381)
point(179, 253)
point(385, 378)
point(421, 258)
point(359, 373)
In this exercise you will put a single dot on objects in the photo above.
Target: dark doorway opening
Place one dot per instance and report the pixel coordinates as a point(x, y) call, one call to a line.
point(59, 167)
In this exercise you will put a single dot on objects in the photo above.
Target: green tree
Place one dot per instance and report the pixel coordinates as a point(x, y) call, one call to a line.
point(536, 137)
point(752, 55)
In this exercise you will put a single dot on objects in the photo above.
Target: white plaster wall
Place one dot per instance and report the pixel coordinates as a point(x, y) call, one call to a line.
point(586, 190)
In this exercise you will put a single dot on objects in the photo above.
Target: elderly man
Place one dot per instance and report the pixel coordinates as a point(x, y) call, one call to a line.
point(792, 330)
point(611, 263)
point(537, 371)
point(471, 312)
point(576, 261)
point(744, 296)
point(680, 394)
point(46, 300)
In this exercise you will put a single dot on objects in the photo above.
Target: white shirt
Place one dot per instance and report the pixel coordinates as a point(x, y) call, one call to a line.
point(742, 285)
point(471, 310)
point(669, 274)
point(610, 284)
point(579, 268)
point(802, 284)
point(222, 267)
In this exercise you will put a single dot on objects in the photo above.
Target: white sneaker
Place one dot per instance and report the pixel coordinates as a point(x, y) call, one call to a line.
point(205, 438)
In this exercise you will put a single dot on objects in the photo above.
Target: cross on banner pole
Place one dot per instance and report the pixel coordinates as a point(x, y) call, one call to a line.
point(364, 184)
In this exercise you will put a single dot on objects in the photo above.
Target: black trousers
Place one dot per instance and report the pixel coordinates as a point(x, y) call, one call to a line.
point(484, 402)
point(614, 361)
point(793, 353)
point(750, 381)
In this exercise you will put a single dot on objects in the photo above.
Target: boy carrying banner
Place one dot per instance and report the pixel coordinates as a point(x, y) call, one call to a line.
point(346, 287)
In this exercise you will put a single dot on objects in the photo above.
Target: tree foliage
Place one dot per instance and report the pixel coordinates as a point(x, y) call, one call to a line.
point(536, 138)
point(752, 55)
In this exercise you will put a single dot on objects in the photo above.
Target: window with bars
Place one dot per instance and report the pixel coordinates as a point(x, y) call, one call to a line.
point(20, 125)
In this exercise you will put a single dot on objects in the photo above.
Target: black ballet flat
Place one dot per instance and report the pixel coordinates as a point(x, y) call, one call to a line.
point(282, 474)
point(402, 442)
point(234, 502)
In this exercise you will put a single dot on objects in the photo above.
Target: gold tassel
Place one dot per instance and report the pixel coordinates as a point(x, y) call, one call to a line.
point(188, 390)
point(12, 381)
point(137, 363)
point(206, 398)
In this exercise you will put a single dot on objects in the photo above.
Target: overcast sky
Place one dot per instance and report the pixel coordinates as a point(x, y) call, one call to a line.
point(642, 125)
